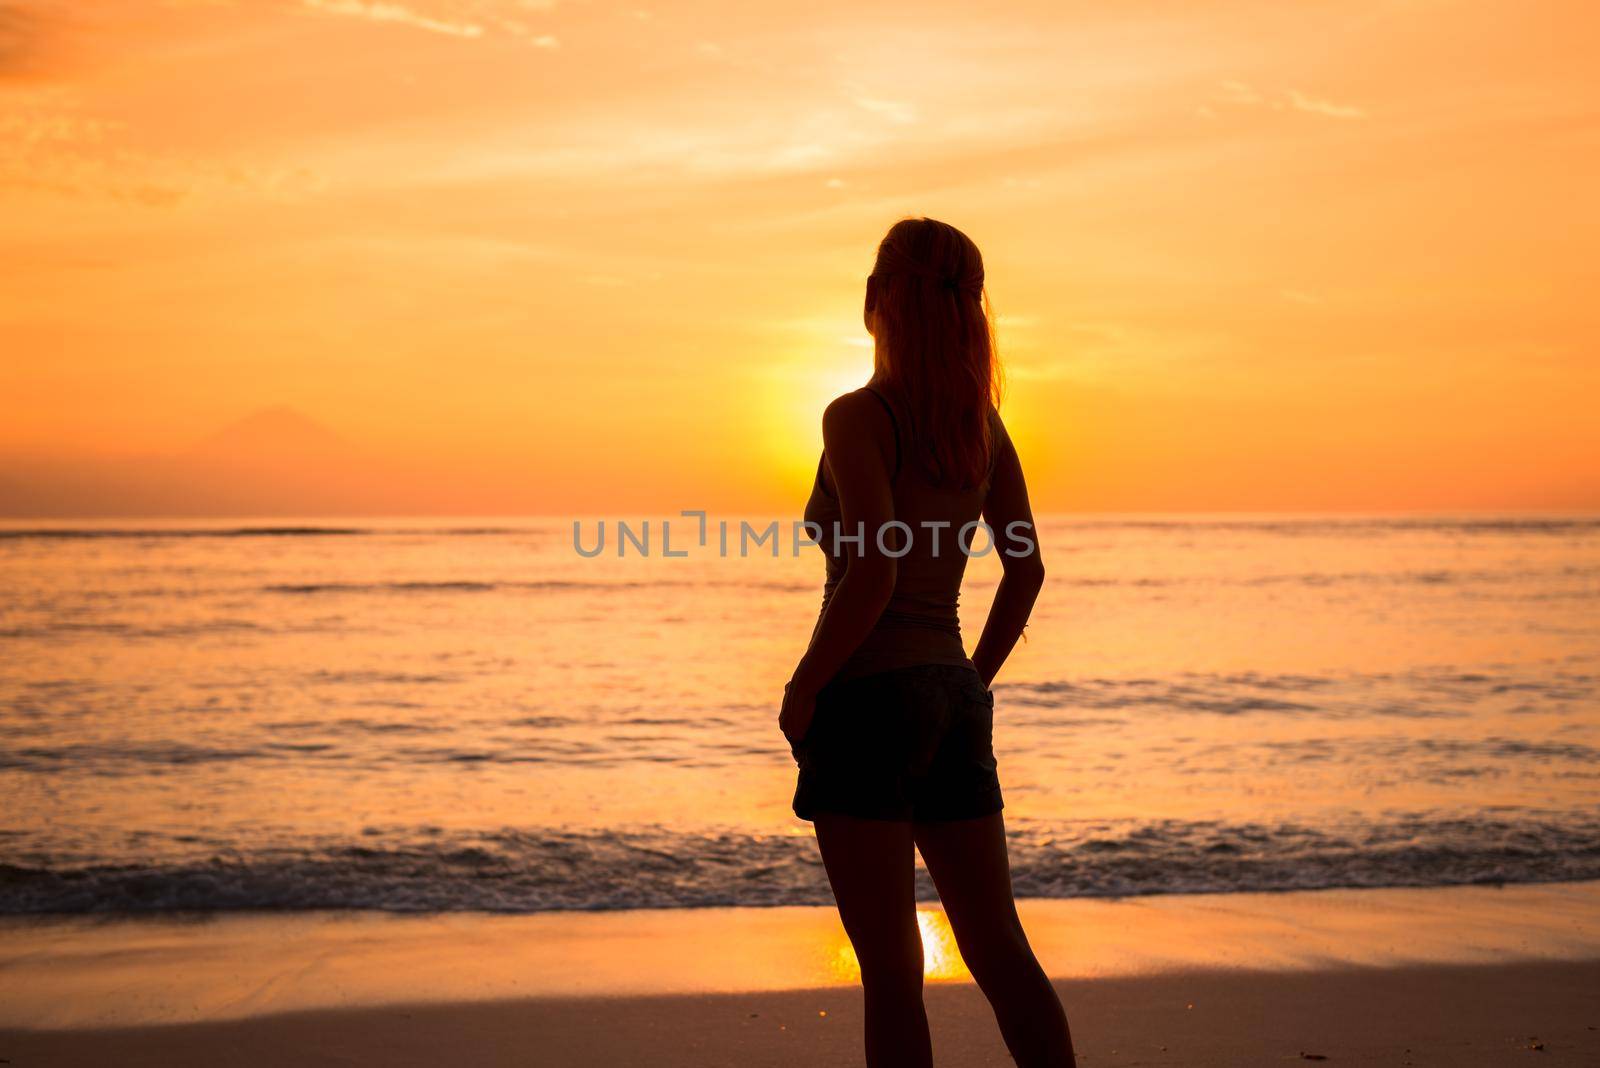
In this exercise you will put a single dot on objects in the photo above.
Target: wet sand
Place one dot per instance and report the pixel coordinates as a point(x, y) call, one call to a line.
point(1461, 976)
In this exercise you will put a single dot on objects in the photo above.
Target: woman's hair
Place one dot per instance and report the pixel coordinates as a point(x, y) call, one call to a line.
point(934, 347)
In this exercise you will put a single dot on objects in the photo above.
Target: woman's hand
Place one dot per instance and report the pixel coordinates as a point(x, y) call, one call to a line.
point(799, 705)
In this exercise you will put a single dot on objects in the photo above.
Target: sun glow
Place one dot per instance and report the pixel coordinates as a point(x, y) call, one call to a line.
point(418, 245)
point(797, 389)
point(941, 959)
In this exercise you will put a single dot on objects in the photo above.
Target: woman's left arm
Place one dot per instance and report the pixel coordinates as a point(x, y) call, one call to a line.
point(866, 503)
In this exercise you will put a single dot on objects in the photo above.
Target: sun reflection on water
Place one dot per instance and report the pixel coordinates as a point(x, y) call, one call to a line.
point(940, 957)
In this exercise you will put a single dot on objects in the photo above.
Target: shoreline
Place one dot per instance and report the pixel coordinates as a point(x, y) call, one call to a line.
point(1469, 977)
point(98, 970)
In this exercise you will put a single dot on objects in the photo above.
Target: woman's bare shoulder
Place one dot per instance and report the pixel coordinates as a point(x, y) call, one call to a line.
point(857, 421)
point(858, 412)
point(997, 425)
point(852, 404)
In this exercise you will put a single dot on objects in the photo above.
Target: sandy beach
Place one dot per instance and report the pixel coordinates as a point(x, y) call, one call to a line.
point(1461, 976)
point(1465, 1015)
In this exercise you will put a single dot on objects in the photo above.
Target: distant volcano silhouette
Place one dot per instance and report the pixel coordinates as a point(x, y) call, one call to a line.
point(275, 462)
point(272, 436)
point(279, 461)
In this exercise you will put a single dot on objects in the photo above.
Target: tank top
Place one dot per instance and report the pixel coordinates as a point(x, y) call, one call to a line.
point(921, 623)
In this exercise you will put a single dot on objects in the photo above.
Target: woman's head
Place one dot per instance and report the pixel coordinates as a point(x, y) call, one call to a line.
point(934, 345)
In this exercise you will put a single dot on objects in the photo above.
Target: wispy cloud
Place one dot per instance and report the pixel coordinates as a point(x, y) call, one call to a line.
point(45, 117)
point(893, 110)
point(1239, 93)
point(456, 18)
point(1318, 106)
point(1242, 95)
point(48, 143)
point(378, 11)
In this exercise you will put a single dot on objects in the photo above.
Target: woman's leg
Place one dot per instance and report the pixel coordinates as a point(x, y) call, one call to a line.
point(968, 862)
point(872, 868)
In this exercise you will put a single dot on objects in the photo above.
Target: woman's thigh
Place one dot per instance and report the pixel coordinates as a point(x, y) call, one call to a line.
point(971, 870)
point(871, 865)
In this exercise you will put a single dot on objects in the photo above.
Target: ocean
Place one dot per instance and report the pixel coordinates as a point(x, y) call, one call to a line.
point(428, 715)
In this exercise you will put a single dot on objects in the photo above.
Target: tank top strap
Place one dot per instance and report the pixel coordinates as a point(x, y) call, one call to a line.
point(895, 424)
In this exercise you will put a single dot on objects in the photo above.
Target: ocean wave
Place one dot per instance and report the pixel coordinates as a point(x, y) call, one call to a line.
point(368, 677)
point(542, 869)
point(1570, 582)
point(145, 533)
point(444, 586)
point(1433, 577)
point(473, 586)
point(419, 730)
point(85, 533)
point(453, 586)
point(1489, 578)
point(1342, 525)
point(106, 758)
point(342, 747)
point(1421, 694)
point(124, 629)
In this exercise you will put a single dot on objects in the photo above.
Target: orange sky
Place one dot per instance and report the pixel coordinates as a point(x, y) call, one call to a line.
point(574, 256)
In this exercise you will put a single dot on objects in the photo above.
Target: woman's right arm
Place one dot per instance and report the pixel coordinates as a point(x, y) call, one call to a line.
point(1007, 504)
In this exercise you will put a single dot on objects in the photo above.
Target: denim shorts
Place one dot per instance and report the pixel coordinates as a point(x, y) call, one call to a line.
point(914, 743)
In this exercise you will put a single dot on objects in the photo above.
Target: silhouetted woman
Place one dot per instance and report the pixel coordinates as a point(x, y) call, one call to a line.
point(888, 718)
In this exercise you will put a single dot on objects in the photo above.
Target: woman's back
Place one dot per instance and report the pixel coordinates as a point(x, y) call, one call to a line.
point(920, 624)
